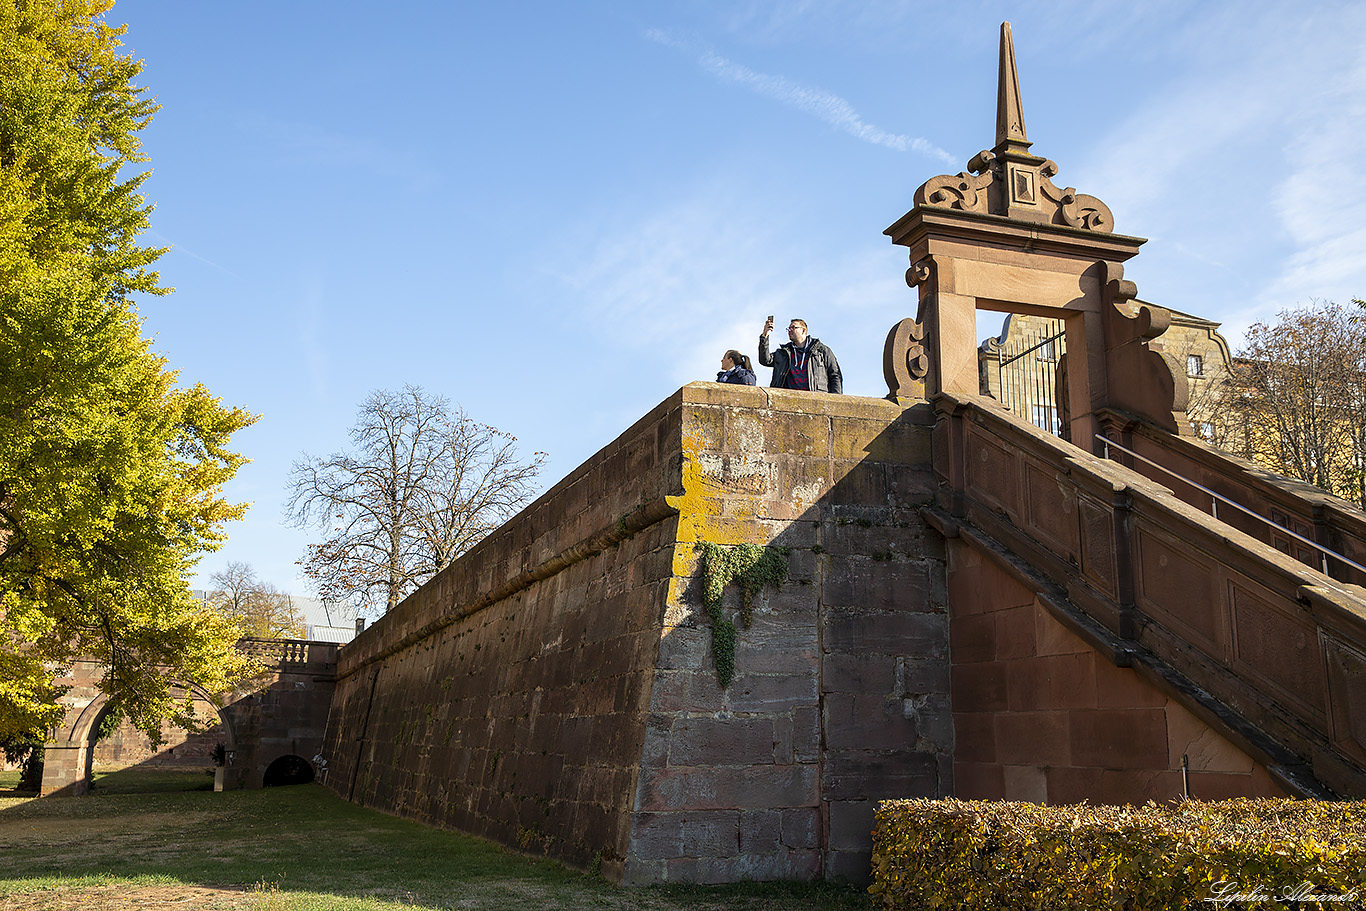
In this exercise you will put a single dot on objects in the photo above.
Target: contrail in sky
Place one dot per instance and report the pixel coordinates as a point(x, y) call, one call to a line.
point(827, 106)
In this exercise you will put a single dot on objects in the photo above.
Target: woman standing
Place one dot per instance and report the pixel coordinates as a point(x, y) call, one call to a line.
point(735, 369)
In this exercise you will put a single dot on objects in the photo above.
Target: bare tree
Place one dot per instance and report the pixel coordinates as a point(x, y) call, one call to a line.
point(1296, 402)
point(259, 608)
point(423, 484)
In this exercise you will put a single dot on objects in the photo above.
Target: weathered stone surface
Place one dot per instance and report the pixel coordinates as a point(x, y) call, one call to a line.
point(556, 687)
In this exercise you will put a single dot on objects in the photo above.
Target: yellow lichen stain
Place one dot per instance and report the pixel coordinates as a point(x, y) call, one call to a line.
point(700, 511)
point(694, 505)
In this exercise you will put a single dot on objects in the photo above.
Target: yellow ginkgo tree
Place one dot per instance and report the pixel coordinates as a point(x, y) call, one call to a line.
point(110, 471)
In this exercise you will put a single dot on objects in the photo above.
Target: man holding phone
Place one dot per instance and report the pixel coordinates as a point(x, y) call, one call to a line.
point(802, 363)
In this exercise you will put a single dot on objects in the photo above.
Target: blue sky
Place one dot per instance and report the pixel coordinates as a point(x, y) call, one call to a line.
point(557, 213)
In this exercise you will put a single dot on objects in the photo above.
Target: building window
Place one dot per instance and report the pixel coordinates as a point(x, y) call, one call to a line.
point(1047, 417)
point(1047, 352)
point(1195, 365)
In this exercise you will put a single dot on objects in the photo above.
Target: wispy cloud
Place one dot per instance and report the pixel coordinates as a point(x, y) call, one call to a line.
point(700, 274)
point(821, 104)
point(182, 250)
point(1244, 158)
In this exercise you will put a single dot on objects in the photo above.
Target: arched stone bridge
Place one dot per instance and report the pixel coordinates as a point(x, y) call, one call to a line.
point(272, 728)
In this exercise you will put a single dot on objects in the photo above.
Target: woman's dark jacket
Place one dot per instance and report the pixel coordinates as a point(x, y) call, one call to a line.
point(737, 375)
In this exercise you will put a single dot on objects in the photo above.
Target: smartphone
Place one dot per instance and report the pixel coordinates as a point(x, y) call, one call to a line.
point(770, 318)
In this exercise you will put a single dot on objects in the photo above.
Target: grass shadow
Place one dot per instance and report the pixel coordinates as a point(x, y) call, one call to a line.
point(141, 780)
point(302, 848)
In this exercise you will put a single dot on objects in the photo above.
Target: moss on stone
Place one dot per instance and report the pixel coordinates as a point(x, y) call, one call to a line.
point(751, 566)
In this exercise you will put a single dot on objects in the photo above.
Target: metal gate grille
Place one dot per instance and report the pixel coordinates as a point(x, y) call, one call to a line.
point(1027, 374)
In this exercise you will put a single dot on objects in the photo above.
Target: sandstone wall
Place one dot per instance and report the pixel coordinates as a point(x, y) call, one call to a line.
point(1042, 716)
point(841, 690)
point(555, 688)
point(507, 697)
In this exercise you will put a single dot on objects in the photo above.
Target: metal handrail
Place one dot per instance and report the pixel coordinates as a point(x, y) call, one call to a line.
point(1216, 499)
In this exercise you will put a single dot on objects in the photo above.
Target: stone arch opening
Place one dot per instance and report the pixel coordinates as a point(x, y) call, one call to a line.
point(70, 756)
point(287, 770)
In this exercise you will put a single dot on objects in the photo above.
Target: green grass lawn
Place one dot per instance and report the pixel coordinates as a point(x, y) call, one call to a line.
point(144, 834)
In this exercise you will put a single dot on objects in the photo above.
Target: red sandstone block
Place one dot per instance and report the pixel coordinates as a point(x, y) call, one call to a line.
point(1120, 738)
point(1137, 786)
point(684, 648)
point(1033, 738)
point(854, 539)
point(791, 604)
point(864, 483)
point(801, 827)
point(794, 637)
point(1015, 632)
point(1072, 679)
point(772, 694)
point(865, 775)
point(855, 866)
point(975, 736)
point(806, 734)
point(1264, 785)
point(1026, 783)
point(972, 638)
point(978, 781)
point(1053, 682)
point(715, 834)
point(845, 673)
point(721, 742)
point(760, 831)
point(868, 584)
point(908, 633)
point(1222, 785)
point(1027, 685)
point(976, 584)
point(687, 691)
point(922, 675)
point(851, 824)
point(1067, 784)
point(758, 787)
point(867, 723)
point(979, 687)
point(1122, 687)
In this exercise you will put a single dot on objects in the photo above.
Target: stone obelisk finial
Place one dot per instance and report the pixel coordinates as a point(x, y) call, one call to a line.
point(1010, 125)
point(1010, 180)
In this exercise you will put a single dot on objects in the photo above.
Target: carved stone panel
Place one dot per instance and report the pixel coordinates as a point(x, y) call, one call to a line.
point(993, 475)
point(1279, 650)
point(1347, 684)
point(1051, 510)
point(1097, 524)
point(1180, 592)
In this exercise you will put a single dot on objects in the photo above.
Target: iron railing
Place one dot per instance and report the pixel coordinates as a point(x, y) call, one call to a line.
point(1217, 498)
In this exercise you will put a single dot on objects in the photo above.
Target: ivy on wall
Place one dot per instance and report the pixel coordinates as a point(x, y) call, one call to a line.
point(752, 567)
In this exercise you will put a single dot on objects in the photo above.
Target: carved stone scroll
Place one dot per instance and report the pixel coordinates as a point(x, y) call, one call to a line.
point(919, 272)
point(1142, 379)
point(905, 361)
point(965, 190)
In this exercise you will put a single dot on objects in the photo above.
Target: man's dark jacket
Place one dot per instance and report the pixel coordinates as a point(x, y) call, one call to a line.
point(822, 370)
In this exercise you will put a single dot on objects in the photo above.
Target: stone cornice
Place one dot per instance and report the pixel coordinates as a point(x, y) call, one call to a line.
point(923, 223)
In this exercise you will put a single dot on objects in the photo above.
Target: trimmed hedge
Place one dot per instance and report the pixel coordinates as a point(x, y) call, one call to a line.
point(1256, 854)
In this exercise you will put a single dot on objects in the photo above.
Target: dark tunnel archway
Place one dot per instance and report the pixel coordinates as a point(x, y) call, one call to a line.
point(289, 769)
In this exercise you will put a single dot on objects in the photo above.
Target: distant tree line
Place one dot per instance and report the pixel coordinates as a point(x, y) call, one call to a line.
point(1294, 399)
